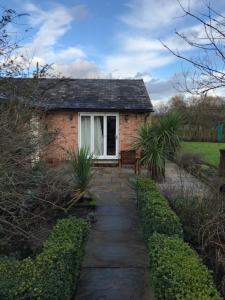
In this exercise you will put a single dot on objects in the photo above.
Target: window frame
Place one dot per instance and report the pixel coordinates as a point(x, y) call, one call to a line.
point(92, 115)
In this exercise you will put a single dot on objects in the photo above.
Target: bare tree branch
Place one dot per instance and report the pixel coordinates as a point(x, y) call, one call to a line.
point(209, 66)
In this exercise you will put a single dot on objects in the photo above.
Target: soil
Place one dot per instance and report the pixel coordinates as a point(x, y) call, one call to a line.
point(42, 230)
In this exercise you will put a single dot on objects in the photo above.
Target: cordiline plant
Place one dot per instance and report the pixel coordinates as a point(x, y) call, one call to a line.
point(167, 133)
point(81, 162)
point(158, 142)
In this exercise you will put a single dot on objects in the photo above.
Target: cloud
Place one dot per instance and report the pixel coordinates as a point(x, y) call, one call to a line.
point(142, 54)
point(161, 90)
point(140, 44)
point(49, 27)
point(139, 49)
point(127, 64)
point(52, 24)
point(70, 52)
point(154, 15)
point(80, 69)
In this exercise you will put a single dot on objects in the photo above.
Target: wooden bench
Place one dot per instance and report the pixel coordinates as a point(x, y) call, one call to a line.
point(130, 157)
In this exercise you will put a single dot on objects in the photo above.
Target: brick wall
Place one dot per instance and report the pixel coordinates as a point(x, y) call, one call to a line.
point(66, 124)
point(128, 125)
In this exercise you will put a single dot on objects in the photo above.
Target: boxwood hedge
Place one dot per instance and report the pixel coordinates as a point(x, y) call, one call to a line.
point(155, 212)
point(53, 274)
point(177, 272)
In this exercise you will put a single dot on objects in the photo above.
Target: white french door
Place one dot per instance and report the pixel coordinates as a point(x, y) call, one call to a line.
point(99, 133)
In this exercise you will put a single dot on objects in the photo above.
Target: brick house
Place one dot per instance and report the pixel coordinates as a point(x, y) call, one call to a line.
point(101, 114)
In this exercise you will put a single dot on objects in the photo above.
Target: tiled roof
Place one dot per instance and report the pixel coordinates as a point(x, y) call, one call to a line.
point(90, 94)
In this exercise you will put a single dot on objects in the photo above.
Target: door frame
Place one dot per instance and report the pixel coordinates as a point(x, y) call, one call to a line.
point(104, 114)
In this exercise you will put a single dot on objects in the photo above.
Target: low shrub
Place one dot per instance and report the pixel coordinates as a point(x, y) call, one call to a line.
point(54, 273)
point(190, 161)
point(213, 248)
point(177, 272)
point(155, 212)
point(193, 213)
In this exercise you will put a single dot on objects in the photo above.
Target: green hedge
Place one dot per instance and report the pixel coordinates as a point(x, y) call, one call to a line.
point(155, 212)
point(54, 273)
point(177, 272)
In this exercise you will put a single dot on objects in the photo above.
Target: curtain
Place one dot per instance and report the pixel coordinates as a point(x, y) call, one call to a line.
point(98, 135)
point(86, 132)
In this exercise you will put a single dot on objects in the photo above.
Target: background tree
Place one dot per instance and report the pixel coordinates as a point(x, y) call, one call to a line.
point(208, 67)
point(177, 103)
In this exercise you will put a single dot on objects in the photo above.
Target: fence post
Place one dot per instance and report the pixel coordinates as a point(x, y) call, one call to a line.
point(222, 163)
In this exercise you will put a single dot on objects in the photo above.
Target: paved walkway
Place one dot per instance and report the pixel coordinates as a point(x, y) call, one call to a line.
point(116, 261)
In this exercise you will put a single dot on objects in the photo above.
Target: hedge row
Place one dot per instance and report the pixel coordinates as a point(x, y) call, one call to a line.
point(176, 270)
point(155, 212)
point(54, 273)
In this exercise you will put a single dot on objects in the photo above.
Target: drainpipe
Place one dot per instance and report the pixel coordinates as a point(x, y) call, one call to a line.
point(146, 116)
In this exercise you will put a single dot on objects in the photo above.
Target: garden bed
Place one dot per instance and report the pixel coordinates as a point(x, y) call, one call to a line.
point(41, 231)
point(42, 205)
point(54, 273)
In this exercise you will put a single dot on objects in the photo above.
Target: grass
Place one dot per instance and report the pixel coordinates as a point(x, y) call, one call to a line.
point(209, 152)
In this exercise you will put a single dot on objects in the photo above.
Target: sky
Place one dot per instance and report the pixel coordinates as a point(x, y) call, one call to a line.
point(110, 38)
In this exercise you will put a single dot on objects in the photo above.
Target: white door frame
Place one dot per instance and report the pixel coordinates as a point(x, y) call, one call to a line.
point(92, 114)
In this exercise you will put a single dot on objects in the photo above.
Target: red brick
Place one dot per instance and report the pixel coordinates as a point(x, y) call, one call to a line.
point(67, 139)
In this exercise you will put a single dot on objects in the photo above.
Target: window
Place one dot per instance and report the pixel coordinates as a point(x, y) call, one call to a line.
point(99, 132)
point(86, 132)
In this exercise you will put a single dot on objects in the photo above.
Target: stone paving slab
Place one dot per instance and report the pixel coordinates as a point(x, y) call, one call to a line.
point(115, 210)
point(114, 284)
point(120, 223)
point(115, 250)
point(115, 266)
point(113, 199)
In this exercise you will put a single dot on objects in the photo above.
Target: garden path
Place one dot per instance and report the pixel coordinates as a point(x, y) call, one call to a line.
point(115, 266)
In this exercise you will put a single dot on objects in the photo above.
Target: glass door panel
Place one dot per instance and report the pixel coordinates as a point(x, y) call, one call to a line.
point(99, 135)
point(111, 135)
point(86, 132)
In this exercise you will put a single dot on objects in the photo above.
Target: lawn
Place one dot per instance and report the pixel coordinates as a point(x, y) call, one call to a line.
point(209, 151)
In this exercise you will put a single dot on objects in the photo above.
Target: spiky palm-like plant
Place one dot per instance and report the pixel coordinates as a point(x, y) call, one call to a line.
point(158, 142)
point(167, 133)
point(81, 162)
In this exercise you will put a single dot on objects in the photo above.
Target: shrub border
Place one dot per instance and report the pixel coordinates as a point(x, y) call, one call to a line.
point(54, 273)
point(176, 270)
point(155, 212)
